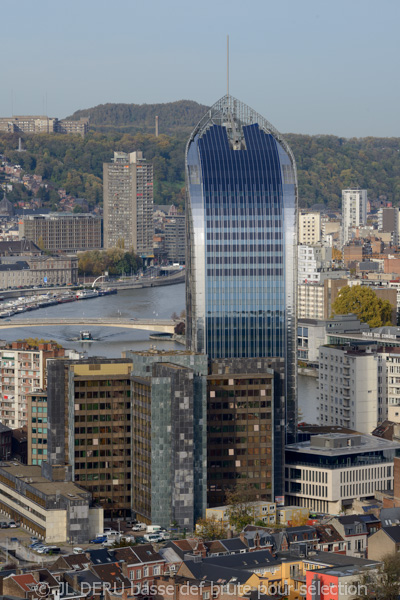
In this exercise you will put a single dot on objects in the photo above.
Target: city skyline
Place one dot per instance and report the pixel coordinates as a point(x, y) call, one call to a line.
point(320, 69)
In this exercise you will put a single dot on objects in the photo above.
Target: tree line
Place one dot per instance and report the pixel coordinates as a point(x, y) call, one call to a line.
point(325, 165)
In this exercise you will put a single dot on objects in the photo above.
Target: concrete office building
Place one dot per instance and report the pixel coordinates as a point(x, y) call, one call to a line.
point(36, 427)
point(354, 211)
point(175, 239)
point(246, 408)
point(309, 228)
point(89, 427)
point(57, 511)
point(169, 437)
point(330, 471)
point(128, 203)
point(66, 232)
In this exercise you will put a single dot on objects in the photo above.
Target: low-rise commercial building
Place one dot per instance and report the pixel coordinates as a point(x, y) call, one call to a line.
point(27, 271)
point(328, 472)
point(260, 511)
point(57, 511)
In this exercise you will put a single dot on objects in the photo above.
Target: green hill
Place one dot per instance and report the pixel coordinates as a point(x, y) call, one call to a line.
point(174, 118)
point(326, 164)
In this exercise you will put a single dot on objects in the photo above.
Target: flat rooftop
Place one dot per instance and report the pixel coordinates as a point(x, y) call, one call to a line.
point(32, 475)
point(368, 443)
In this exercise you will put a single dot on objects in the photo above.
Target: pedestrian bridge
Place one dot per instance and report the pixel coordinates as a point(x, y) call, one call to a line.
point(159, 325)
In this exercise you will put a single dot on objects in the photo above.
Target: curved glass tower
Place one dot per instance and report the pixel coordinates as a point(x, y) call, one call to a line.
point(242, 240)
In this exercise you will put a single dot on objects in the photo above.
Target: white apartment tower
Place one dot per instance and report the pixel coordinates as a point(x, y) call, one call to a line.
point(349, 392)
point(128, 203)
point(309, 228)
point(354, 211)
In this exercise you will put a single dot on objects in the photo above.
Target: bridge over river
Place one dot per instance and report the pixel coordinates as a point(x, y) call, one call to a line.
point(158, 325)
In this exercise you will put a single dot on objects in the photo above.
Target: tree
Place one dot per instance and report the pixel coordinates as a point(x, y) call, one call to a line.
point(383, 583)
point(240, 511)
point(211, 528)
point(363, 302)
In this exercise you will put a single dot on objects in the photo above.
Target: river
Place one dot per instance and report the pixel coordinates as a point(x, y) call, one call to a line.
point(143, 303)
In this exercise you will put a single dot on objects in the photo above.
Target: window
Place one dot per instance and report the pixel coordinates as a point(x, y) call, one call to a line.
point(156, 570)
point(145, 571)
point(138, 574)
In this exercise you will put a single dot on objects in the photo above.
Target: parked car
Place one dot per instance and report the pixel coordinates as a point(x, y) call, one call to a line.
point(139, 527)
point(109, 531)
point(12, 524)
point(99, 539)
point(4, 525)
point(52, 550)
point(140, 540)
point(78, 550)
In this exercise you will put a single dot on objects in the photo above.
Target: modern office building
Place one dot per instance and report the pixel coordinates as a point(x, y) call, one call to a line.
point(128, 203)
point(332, 470)
point(354, 211)
point(169, 437)
point(241, 217)
point(68, 232)
point(309, 228)
point(89, 427)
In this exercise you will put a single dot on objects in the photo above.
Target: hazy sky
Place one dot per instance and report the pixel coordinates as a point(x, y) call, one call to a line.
point(308, 66)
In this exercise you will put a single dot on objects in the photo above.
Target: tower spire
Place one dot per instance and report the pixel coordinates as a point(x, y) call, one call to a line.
point(227, 66)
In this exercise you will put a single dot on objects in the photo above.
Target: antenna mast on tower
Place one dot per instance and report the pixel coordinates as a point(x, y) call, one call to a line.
point(227, 65)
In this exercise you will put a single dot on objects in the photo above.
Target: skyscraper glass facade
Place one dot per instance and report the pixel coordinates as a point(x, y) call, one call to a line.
point(242, 240)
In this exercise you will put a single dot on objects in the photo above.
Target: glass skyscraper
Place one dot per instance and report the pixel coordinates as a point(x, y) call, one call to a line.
point(242, 241)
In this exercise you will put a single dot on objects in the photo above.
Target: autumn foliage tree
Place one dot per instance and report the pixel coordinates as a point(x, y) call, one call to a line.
point(211, 528)
point(363, 302)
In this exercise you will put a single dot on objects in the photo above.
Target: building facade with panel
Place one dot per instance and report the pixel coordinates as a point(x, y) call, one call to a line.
point(242, 242)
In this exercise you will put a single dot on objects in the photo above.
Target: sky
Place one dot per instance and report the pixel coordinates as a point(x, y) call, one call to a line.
point(308, 66)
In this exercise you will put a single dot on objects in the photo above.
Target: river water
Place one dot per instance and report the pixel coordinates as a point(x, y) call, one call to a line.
point(144, 303)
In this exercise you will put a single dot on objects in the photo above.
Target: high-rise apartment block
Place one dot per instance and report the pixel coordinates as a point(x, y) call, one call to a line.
point(128, 203)
point(354, 211)
point(37, 427)
point(313, 262)
point(241, 216)
point(68, 232)
point(23, 371)
point(309, 228)
point(350, 394)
